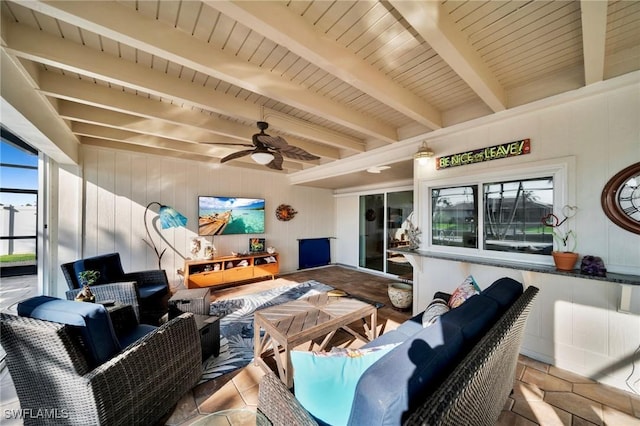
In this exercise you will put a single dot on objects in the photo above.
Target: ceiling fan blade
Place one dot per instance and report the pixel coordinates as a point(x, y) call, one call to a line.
point(236, 155)
point(227, 144)
point(276, 163)
point(272, 141)
point(297, 153)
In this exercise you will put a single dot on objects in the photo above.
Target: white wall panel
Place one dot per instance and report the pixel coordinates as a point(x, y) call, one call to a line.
point(120, 184)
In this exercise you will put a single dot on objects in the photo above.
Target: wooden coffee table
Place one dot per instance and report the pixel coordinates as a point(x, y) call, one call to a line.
point(293, 323)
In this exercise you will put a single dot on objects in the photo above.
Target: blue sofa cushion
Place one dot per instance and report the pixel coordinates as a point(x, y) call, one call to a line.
point(473, 318)
point(505, 291)
point(403, 377)
point(91, 319)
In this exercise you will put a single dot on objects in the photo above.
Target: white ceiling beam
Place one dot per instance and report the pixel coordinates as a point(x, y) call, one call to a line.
point(123, 24)
point(30, 115)
point(61, 87)
point(594, 32)
point(434, 25)
point(155, 127)
point(278, 23)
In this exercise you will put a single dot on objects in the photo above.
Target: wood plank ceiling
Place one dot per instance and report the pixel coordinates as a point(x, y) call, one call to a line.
point(334, 78)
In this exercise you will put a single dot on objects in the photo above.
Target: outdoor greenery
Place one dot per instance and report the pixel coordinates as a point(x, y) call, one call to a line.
point(19, 257)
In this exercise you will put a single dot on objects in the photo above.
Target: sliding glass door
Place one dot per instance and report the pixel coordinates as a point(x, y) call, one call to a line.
point(383, 219)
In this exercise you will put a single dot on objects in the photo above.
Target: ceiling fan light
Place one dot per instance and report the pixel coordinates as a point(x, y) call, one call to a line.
point(262, 157)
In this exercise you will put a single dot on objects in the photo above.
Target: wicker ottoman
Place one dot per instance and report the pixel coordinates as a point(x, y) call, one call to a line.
point(196, 300)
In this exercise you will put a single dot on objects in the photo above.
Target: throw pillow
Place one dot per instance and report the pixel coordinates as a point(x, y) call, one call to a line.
point(436, 308)
point(468, 288)
point(325, 383)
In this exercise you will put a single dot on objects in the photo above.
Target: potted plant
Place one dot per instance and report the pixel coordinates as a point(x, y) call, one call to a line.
point(87, 278)
point(565, 257)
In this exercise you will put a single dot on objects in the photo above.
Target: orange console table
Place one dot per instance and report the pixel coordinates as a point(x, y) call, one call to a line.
point(230, 269)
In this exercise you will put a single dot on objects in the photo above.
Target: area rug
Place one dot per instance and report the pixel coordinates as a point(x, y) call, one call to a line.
point(236, 324)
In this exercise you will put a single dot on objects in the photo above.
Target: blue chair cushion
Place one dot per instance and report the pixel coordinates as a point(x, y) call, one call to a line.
point(108, 265)
point(152, 291)
point(92, 320)
point(473, 318)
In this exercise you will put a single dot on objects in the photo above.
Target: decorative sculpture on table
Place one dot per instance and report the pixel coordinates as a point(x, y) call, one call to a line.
point(87, 278)
point(169, 218)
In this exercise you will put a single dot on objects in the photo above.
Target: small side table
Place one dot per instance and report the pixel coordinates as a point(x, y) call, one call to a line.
point(209, 329)
point(197, 301)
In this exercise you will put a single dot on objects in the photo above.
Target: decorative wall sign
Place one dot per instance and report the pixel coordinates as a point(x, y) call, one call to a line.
point(504, 150)
point(285, 212)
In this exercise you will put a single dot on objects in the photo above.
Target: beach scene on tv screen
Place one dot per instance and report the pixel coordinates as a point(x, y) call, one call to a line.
point(230, 215)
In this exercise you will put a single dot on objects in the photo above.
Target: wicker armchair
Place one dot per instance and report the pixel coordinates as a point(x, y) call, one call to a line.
point(152, 290)
point(52, 372)
point(125, 293)
point(473, 394)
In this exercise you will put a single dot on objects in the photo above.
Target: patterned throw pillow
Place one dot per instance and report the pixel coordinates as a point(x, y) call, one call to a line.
point(325, 382)
point(436, 308)
point(468, 288)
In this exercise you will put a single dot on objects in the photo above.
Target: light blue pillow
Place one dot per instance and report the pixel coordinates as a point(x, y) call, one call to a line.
point(325, 382)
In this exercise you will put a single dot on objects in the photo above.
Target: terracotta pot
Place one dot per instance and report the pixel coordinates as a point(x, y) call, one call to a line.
point(564, 260)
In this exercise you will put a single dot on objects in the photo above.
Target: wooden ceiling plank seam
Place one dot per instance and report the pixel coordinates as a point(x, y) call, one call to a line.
point(338, 21)
point(345, 37)
point(536, 39)
point(189, 16)
point(530, 14)
point(392, 48)
point(168, 11)
point(430, 23)
point(493, 17)
point(540, 60)
point(383, 40)
point(323, 55)
point(360, 31)
point(370, 30)
point(543, 63)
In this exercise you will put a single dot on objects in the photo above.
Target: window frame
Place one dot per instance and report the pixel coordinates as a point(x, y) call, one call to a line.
point(562, 170)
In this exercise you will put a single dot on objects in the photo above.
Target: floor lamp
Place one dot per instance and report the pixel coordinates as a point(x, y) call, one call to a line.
point(169, 218)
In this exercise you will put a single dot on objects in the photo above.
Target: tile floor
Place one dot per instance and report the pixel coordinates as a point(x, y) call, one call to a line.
point(543, 394)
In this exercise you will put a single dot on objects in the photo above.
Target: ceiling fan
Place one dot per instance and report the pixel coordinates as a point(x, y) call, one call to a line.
point(268, 150)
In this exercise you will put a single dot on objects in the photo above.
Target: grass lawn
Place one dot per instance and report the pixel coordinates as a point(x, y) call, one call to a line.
point(19, 257)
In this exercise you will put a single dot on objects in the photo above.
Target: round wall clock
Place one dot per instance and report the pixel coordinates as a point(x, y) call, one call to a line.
point(621, 198)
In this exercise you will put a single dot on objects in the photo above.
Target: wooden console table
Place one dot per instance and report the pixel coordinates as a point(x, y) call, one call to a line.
point(230, 269)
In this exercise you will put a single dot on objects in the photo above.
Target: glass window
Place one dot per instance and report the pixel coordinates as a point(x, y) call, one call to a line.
point(512, 215)
point(454, 216)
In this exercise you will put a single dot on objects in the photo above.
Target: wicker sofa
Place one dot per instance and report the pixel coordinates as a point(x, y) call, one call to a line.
point(81, 370)
point(469, 387)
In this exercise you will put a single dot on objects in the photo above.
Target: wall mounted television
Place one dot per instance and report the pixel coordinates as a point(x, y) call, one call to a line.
point(230, 215)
